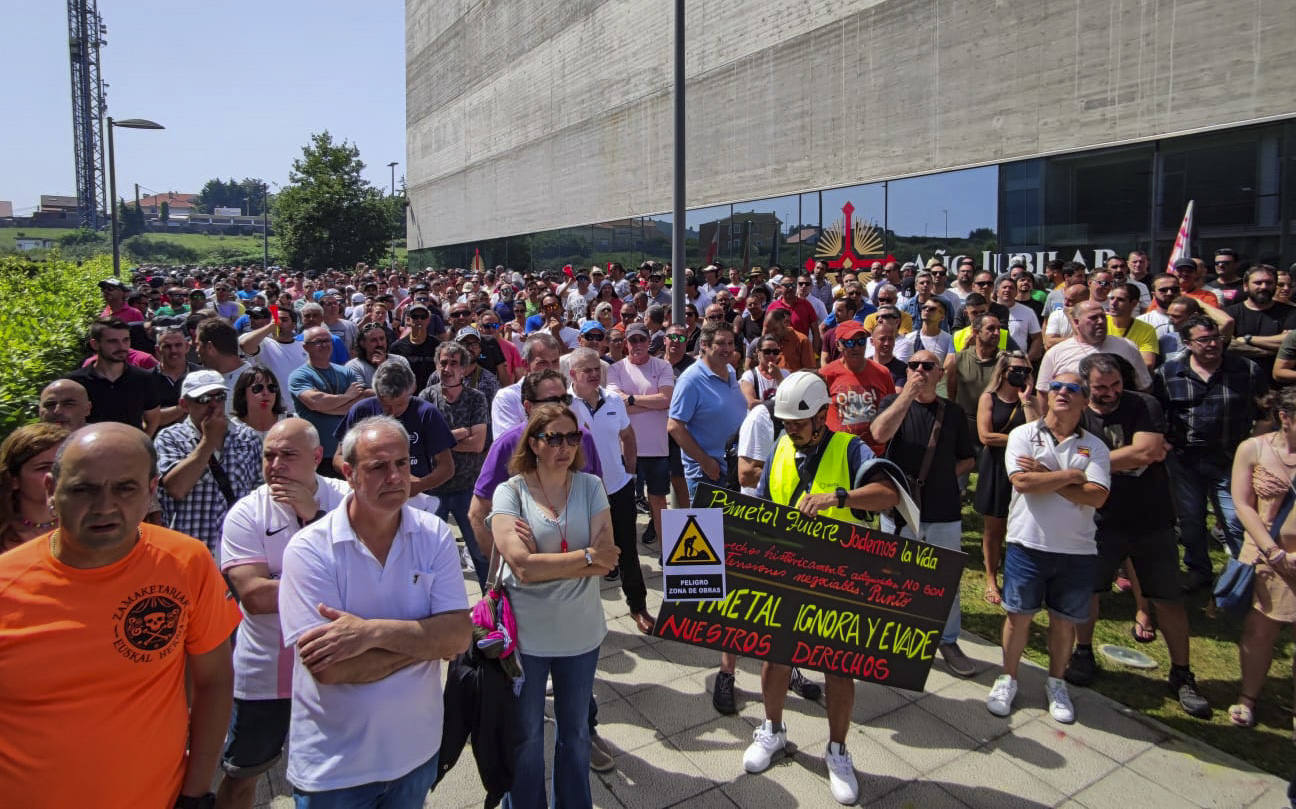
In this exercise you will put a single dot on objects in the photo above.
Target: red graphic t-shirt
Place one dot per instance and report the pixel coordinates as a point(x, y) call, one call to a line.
point(854, 399)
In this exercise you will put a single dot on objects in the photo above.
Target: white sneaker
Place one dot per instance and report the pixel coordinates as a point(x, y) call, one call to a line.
point(1059, 701)
point(841, 776)
point(1002, 693)
point(465, 559)
point(765, 743)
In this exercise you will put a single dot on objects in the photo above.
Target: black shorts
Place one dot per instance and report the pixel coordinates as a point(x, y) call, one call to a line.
point(654, 472)
point(257, 731)
point(676, 459)
point(1154, 553)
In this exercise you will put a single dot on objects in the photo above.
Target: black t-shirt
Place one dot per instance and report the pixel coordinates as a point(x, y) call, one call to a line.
point(1277, 318)
point(168, 392)
point(421, 357)
point(491, 357)
point(124, 400)
point(899, 371)
point(941, 501)
point(1136, 500)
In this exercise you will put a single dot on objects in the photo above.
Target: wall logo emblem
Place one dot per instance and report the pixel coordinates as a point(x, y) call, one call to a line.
point(848, 244)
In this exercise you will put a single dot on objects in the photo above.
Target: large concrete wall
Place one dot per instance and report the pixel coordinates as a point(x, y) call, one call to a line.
point(526, 115)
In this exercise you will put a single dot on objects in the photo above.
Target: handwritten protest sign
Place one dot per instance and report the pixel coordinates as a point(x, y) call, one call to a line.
point(821, 594)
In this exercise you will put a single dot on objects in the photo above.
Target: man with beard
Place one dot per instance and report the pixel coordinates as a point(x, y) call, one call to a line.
point(418, 347)
point(1262, 322)
point(1136, 522)
point(118, 391)
point(1089, 326)
point(856, 386)
point(370, 352)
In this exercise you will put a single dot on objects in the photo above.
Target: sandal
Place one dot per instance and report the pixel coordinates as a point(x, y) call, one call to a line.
point(644, 621)
point(1241, 714)
point(992, 596)
point(1143, 633)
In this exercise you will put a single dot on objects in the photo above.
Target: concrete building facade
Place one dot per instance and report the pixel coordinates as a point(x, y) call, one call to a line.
point(530, 117)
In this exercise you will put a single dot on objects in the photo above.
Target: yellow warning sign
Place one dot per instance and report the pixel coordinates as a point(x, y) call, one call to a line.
point(692, 547)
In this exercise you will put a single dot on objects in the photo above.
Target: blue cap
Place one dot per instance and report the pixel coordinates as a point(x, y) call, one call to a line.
point(592, 325)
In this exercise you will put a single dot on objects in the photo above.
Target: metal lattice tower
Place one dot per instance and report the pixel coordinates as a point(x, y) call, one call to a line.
point(86, 34)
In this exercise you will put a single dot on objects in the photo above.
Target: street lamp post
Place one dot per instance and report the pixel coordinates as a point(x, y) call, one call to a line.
point(392, 165)
point(265, 227)
point(129, 123)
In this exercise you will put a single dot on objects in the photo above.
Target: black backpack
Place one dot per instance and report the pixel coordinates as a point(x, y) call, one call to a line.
point(731, 447)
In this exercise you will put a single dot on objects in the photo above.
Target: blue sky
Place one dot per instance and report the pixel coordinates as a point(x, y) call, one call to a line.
point(239, 86)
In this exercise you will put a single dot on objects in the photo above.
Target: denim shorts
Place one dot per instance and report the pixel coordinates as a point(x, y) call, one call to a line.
point(654, 471)
point(1034, 579)
point(258, 728)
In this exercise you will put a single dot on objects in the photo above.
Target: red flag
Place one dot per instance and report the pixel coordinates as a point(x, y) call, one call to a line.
point(567, 270)
point(713, 246)
point(1183, 241)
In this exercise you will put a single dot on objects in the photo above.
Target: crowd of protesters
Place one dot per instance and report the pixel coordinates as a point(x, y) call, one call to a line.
point(305, 439)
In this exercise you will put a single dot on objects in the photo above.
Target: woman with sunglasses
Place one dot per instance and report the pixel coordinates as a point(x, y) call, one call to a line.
point(1006, 404)
point(759, 382)
point(553, 529)
point(257, 400)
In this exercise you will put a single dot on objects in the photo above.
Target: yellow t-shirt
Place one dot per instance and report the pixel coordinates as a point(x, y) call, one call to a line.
point(1141, 334)
point(906, 323)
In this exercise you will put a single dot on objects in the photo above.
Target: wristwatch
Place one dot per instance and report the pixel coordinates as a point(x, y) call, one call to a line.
point(589, 558)
point(630, 400)
point(841, 497)
point(1246, 338)
point(200, 802)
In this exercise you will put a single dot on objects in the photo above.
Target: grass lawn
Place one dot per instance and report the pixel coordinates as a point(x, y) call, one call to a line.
point(1214, 660)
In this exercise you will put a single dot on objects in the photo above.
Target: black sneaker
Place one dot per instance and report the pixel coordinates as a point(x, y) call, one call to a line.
point(1184, 685)
point(649, 534)
point(1083, 668)
point(723, 695)
point(613, 575)
point(802, 687)
point(641, 505)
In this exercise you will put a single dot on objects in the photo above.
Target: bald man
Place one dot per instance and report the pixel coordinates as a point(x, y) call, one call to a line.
point(65, 402)
point(113, 611)
point(256, 531)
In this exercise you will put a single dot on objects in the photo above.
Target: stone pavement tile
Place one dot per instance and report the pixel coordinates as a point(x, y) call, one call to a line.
point(962, 704)
point(599, 792)
point(675, 705)
point(1275, 797)
point(655, 777)
point(622, 727)
point(1201, 775)
point(1124, 787)
point(637, 668)
point(1104, 725)
point(1047, 751)
point(686, 654)
point(918, 795)
point(716, 747)
point(918, 737)
point(618, 639)
point(873, 700)
point(989, 779)
point(711, 799)
point(800, 779)
point(807, 721)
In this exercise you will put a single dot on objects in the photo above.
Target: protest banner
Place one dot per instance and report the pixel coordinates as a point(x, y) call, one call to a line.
point(821, 594)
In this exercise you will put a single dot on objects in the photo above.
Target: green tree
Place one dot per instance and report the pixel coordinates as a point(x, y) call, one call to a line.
point(164, 211)
point(328, 215)
point(130, 220)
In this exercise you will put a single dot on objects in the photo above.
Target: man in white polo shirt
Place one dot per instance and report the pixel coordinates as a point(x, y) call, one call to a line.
point(373, 599)
point(1060, 475)
point(256, 531)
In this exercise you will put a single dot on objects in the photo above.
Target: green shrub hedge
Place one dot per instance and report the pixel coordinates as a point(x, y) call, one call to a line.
point(45, 310)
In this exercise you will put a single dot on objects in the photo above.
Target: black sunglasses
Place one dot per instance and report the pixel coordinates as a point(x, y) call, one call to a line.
point(208, 398)
point(771, 352)
point(564, 399)
point(853, 342)
point(260, 387)
point(926, 365)
point(419, 315)
point(573, 438)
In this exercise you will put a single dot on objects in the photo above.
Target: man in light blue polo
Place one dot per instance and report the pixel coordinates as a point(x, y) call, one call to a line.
point(707, 407)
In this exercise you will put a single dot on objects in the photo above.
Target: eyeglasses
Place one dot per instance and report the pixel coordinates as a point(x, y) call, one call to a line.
point(573, 439)
point(488, 326)
point(1207, 340)
point(208, 398)
point(932, 309)
point(803, 283)
point(419, 315)
point(1069, 387)
point(1170, 290)
point(980, 283)
point(460, 314)
point(322, 341)
point(368, 327)
point(771, 352)
point(261, 387)
point(888, 316)
point(564, 399)
point(926, 365)
point(853, 342)
point(677, 338)
point(596, 336)
point(886, 300)
point(1102, 283)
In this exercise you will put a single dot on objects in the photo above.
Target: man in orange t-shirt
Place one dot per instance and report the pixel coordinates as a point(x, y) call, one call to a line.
point(99, 621)
point(856, 386)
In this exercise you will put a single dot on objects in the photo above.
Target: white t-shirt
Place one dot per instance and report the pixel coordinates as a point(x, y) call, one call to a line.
point(764, 387)
point(941, 345)
point(1059, 325)
point(1167, 338)
point(282, 359)
point(506, 409)
point(756, 439)
point(629, 379)
point(1048, 521)
point(231, 379)
point(821, 311)
point(605, 425)
point(1066, 356)
point(1022, 323)
point(256, 531)
point(347, 735)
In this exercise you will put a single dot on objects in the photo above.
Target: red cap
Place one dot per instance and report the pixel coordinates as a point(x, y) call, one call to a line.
point(850, 328)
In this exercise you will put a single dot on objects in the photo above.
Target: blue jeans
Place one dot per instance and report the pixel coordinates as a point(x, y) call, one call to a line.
point(692, 482)
point(407, 792)
point(456, 503)
point(942, 535)
point(573, 688)
point(1198, 482)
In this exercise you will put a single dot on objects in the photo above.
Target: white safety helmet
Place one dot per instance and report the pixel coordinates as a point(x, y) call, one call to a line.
point(800, 396)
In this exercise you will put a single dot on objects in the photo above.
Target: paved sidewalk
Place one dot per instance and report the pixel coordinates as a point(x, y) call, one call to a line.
point(932, 750)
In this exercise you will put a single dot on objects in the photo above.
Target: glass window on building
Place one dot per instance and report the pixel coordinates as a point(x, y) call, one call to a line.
point(852, 227)
point(944, 216)
point(768, 231)
point(1097, 204)
point(709, 235)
